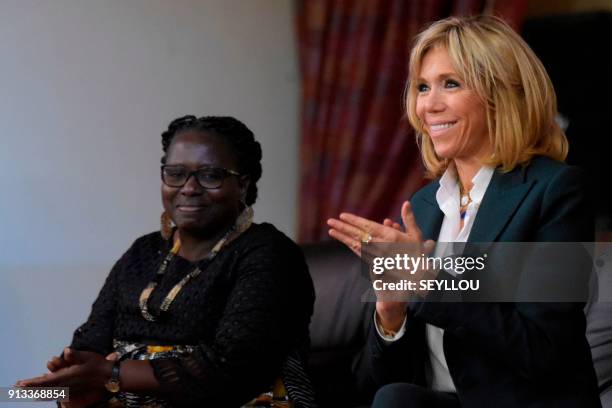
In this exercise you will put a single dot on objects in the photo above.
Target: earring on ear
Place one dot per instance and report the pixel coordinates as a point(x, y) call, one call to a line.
point(165, 225)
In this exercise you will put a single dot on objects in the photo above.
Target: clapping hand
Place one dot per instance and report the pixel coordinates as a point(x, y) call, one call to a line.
point(83, 372)
point(354, 231)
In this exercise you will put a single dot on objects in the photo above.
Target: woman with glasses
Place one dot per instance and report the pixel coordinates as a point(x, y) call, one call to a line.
point(213, 309)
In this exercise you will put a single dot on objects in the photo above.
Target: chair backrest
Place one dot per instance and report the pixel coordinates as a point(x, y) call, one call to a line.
point(340, 323)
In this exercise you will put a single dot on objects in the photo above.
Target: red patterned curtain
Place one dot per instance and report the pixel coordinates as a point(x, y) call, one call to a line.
point(358, 151)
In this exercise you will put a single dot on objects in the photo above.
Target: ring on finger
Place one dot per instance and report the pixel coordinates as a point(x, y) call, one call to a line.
point(366, 238)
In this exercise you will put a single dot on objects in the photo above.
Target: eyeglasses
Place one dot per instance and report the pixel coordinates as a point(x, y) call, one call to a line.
point(208, 177)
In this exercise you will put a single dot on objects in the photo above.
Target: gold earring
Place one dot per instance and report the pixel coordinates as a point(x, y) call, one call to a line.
point(165, 225)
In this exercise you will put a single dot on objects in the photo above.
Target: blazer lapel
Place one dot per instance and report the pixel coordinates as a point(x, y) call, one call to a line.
point(503, 196)
point(427, 213)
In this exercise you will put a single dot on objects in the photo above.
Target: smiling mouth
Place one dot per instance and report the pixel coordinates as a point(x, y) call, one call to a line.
point(190, 208)
point(440, 127)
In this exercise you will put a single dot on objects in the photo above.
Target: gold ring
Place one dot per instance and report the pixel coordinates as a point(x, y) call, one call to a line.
point(366, 239)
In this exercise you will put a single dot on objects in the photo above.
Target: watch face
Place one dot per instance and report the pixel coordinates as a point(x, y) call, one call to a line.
point(112, 386)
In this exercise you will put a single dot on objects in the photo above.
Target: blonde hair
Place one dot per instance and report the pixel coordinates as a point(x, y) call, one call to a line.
point(511, 82)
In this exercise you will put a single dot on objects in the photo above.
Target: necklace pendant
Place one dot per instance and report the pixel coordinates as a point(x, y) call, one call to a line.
point(465, 200)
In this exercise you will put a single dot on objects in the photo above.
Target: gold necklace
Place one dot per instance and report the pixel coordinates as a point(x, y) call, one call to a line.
point(243, 222)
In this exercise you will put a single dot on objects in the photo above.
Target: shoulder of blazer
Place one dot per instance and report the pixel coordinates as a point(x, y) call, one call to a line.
point(553, 179)
point(543, 183)
point(543, 169)
point(539, 168)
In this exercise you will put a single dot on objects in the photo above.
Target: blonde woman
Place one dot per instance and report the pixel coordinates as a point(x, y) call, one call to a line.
point(483, 107)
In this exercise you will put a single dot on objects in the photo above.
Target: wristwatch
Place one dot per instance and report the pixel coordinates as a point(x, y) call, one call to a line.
point(112, 385)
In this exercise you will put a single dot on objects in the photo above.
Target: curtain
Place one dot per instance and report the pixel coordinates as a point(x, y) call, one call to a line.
point(357, 149)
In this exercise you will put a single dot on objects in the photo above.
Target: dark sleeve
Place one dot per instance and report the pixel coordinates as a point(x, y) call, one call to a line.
point(402, 360)
point(96, 334)
point(536, 339)
point(266, 316)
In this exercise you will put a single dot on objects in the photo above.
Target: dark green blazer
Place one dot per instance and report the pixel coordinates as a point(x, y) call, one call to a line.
point(505, 354)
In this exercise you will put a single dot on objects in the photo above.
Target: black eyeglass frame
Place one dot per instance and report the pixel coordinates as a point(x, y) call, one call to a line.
point(226, 174)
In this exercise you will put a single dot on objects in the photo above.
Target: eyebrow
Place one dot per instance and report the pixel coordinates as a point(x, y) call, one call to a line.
point(444, 75)
point(205, 166)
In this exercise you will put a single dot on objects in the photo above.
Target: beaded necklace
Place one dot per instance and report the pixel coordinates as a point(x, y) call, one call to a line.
point(243, 222)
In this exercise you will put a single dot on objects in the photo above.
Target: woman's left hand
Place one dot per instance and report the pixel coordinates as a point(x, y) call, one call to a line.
point(356, 232)
point(87, 372)
point(353, 231)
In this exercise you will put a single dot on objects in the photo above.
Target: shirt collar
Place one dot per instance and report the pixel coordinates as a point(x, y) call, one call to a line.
point(449, 188)
point(481, 181)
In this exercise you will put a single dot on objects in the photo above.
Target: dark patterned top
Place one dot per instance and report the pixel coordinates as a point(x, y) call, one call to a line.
point(246, 312)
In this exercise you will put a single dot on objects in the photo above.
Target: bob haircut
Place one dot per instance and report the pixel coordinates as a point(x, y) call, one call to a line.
point(509, 79)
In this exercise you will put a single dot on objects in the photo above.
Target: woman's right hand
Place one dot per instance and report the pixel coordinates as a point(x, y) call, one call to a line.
point(66, 360)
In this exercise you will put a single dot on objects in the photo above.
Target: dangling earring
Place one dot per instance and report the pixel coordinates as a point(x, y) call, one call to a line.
point(165, 225)
point(245, 218)
point(244, 211)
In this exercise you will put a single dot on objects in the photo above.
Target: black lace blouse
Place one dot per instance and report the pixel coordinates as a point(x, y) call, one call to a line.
point(248, 309)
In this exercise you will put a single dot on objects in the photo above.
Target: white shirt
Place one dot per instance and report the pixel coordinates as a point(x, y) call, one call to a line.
point(448, 198)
